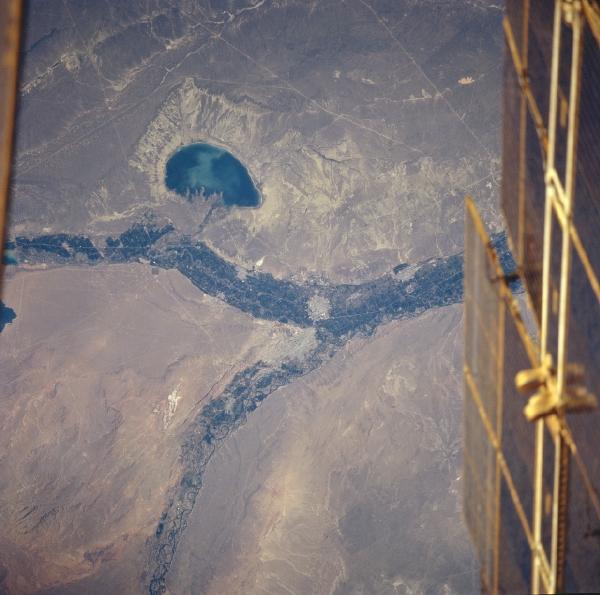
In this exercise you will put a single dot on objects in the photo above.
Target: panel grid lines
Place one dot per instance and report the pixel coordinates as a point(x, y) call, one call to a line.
point(487, 401)
point(551, 200)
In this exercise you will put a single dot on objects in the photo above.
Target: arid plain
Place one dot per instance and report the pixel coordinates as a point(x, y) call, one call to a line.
point(202, 398)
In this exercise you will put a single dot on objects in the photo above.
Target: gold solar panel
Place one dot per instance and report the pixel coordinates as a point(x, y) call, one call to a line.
point(482, 346)
point(499, 442)
point(532, 422)
point(540, 16)
point(513, 155)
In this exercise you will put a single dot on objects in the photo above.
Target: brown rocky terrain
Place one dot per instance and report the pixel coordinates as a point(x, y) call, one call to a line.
point(329, 462)
point(101, 371)
point(345, 482)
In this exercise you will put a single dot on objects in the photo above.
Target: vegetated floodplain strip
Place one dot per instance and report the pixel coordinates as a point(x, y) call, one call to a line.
point(359, 308)
point(353, 307)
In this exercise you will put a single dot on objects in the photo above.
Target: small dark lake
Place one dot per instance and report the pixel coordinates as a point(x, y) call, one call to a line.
point(7, 315)
point(201, 169)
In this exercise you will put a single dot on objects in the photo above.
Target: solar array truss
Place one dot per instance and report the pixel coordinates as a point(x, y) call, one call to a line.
point(532, 476)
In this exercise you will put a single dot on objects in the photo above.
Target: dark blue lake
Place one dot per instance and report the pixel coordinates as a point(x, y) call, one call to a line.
point(7, 315)
point(202, 169)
